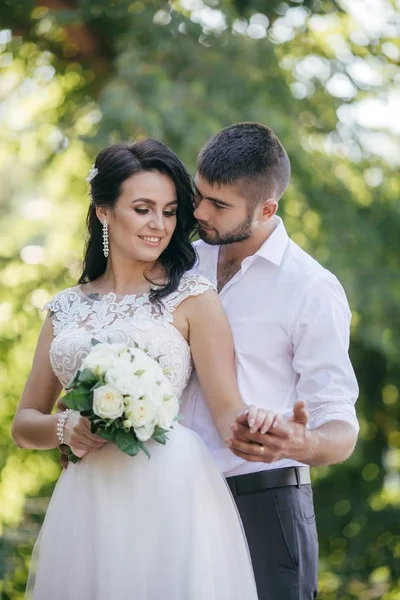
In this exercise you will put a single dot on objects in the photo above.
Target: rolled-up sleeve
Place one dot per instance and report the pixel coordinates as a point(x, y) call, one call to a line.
point(320, 337)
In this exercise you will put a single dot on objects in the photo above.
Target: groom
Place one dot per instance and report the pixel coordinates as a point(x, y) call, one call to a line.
point(290, 322)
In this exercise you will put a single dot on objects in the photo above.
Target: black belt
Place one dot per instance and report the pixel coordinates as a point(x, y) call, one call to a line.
point(273, 478)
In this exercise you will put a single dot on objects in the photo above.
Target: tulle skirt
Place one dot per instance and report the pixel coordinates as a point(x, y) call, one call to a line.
point(123, 528)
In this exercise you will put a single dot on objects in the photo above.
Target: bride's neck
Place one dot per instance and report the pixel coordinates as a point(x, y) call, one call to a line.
point(123, 278)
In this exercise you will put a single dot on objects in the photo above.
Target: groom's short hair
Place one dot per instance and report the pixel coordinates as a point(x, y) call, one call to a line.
point(248, 155)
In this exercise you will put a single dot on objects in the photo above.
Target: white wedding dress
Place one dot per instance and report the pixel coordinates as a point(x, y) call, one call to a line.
point(132, 528)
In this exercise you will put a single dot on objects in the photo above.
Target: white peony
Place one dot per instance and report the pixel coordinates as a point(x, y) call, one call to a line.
point(145, 365)
point(150, 391)
point(140, 354)
point(165, 387)
point(108, 403)
point(145, 432)
point(148, 378)
point(121, 375)
point(101, 357)
point(167, 413)
point(155, 396)
point(140, 412)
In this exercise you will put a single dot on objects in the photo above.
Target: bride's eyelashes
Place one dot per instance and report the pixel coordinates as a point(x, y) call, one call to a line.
point(144, 211)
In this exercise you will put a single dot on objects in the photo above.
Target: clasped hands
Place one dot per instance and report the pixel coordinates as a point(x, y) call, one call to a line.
point(265, 436)
point(258, 435)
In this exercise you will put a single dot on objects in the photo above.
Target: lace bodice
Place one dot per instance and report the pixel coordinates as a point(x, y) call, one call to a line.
point(77, 318)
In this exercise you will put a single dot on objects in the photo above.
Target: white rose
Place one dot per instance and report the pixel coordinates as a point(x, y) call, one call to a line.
point(100, 358)
point(108, 403)
point(140, 412)
point(167, 413)
point(145, 432)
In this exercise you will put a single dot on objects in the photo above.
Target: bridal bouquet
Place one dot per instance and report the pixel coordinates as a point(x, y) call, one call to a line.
point(125, 394)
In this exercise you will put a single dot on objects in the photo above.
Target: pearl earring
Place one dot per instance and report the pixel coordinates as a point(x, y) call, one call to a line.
point(105, 238)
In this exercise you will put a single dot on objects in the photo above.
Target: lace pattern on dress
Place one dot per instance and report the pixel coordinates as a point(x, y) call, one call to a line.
point(78, 318)
point(71, 309)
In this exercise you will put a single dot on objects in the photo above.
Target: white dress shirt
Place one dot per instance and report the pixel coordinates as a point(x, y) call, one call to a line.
point(290, 321)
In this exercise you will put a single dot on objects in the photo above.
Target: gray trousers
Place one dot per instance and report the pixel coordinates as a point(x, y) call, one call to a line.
point(282, 536)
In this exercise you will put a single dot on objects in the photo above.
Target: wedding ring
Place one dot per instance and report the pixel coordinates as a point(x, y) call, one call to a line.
point(262, 448)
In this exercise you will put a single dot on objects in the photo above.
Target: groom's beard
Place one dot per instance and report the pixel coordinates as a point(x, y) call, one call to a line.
point(241, 233)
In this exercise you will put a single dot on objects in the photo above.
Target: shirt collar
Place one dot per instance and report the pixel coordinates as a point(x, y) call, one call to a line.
point(274, 247)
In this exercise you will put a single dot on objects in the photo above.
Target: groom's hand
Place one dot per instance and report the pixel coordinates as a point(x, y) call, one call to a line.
point(286, 439)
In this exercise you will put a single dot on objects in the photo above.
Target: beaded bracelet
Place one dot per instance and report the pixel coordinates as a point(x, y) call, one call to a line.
point(62, 419)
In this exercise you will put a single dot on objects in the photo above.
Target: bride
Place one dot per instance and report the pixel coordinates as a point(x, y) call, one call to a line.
point(117, 526)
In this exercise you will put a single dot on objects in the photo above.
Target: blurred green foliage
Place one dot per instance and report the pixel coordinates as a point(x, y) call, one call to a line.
point(79, 74)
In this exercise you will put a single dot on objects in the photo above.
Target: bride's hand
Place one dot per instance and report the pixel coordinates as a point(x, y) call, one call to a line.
point(78, 436)
point(260, 419)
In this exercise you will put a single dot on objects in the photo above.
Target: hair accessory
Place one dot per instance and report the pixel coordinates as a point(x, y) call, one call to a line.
point(92, 173)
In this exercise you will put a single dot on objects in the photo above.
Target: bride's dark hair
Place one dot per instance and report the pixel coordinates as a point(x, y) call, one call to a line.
point(114, 165)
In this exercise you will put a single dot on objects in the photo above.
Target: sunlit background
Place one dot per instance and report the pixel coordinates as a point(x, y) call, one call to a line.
point(76, 75)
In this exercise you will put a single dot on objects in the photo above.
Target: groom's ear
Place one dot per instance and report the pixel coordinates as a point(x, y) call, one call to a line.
point(267, 210)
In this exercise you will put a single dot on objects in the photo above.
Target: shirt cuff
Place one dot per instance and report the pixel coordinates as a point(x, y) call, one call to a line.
point(334, 411)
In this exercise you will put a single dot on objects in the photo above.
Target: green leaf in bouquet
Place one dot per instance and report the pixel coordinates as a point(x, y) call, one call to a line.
point(139, 372)
point(160, 430)
point(159, 435)
point(96, 423)
point(78, 399)
point(126, 442)
point(143, 447)
point(73, 381)
point(94, 342)
point(86, 377)
point(106, 433)
point(98, 384)
point(161, 438)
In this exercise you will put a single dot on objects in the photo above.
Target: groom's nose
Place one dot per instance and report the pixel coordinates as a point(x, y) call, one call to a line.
point(200, 213)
